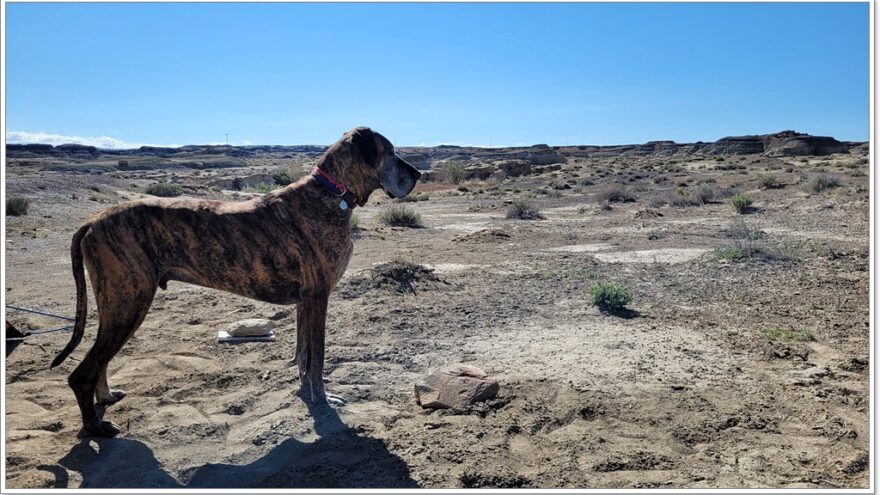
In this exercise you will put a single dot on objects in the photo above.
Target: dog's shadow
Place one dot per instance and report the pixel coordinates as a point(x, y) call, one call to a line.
point(340, 458)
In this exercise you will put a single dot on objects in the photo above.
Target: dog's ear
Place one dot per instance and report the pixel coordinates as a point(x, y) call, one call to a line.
point(365, 140)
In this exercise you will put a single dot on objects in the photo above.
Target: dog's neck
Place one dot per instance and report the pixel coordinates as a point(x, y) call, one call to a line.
point(307, 196)
point(340, 170)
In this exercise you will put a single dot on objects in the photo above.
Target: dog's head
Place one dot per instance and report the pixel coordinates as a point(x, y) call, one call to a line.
point(394, 174)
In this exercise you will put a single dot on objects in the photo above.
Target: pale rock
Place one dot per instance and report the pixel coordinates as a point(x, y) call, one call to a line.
point(456, 386)
point(253, 327)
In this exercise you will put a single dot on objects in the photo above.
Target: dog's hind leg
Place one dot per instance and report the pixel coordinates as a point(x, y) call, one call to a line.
point(120, 315)
point(104, 394)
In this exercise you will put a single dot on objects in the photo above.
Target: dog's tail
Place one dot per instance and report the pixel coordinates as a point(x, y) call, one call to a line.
point(79, 276)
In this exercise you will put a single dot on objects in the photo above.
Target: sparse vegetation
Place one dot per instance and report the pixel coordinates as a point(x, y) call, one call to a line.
point(751, 243)
point(735, 252)
point(741, 203)
point(704, 193)
point(17, 206)
point(768, 181)
point(400, 216)
point(523, 210)
point(788, 334)
point(264, 188)
point(355, 223)
point(455, 172)
point(821, 183)
point(609, 296)
point(746, 242)
point(282, 178)
point(742, 231)
point(615, 193)
point(164, 189)
point(730, 166)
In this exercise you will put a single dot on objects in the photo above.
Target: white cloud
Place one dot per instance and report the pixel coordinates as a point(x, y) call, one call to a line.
point(106, 142)
point(455, 143)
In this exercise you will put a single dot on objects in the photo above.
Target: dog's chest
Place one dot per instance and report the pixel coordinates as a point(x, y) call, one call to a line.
point(344, 256)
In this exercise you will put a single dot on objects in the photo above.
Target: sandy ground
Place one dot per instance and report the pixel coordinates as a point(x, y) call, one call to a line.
point(690, 388)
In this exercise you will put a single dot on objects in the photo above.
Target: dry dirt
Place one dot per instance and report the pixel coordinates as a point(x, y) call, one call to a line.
point(700, 384)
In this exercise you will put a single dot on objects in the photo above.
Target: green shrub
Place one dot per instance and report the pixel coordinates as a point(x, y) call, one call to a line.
point(400, 216)
point(704, 193)
point(735, 252)
point(821, 183)
point(615, 193)
point(750, 243)
point(768, 181)
point(523, 210)
point(355, 223)
point(609, 296)
point(455, 172)
point(681, 197)
point(741, 231)
point(17, 206)
point(164, 189)
point(789, 334)
point(282, 178)
point(264, 188)
point(741, 203)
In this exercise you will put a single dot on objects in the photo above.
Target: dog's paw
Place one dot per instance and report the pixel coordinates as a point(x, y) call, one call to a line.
point(114, 397)
point(336, 400)
point(103, 429)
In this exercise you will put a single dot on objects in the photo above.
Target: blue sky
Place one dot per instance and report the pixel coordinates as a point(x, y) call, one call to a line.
point(482, 74)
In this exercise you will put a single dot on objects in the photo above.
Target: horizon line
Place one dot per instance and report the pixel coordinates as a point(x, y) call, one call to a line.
point(111, 144)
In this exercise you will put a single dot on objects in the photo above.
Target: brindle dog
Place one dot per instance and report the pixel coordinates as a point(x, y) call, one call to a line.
point(290, 246)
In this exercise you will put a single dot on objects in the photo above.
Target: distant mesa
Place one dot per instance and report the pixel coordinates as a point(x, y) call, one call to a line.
point(517, 159)
point(785, 143)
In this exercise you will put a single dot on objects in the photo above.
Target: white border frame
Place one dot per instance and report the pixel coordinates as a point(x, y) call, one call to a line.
point(872, 6)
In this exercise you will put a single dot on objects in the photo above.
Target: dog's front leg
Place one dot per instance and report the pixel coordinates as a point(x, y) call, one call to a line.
point(311, 320)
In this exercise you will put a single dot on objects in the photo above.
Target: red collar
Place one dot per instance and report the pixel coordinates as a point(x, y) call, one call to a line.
point(347, 198)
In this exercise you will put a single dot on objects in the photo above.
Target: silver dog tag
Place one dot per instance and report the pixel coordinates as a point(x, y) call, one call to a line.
point(343, 205)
